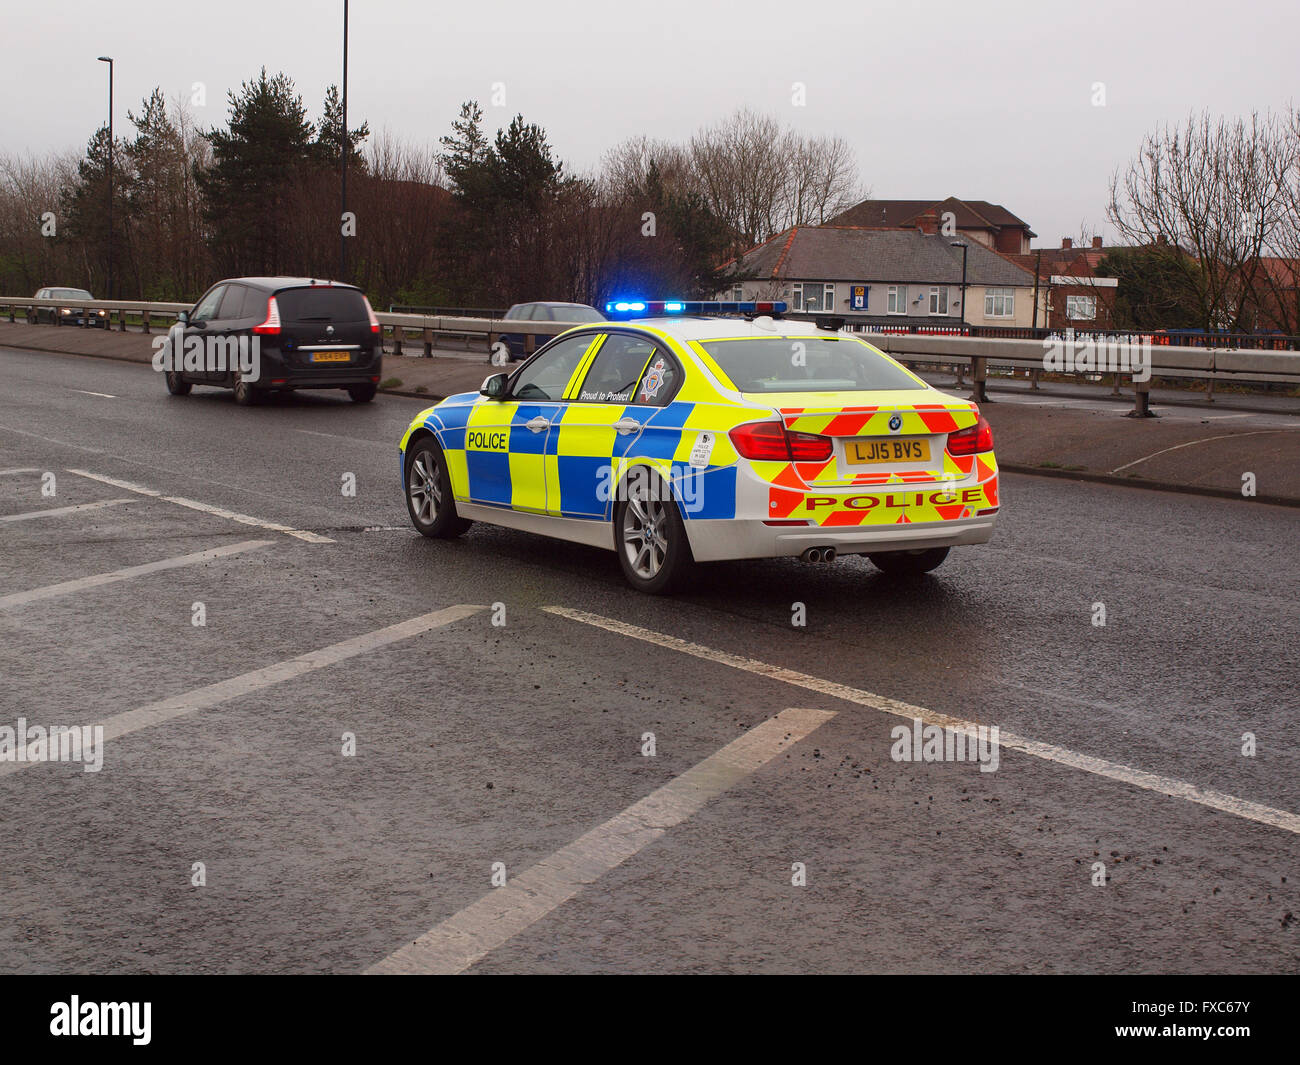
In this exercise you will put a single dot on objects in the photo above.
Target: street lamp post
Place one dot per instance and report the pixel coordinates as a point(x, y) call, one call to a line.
point(109, 60)
point(343, 238)
point(964, 249)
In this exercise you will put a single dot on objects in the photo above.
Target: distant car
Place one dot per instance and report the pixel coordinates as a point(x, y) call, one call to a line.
point(573, 313)
point(687, 436)
point(307, 334)
point(67, 315)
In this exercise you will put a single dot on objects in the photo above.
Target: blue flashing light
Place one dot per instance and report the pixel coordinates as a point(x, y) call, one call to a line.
point(650, 308)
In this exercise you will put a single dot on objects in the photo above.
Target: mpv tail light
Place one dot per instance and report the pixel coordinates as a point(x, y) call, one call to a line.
point(374, 322)
point(271, 326)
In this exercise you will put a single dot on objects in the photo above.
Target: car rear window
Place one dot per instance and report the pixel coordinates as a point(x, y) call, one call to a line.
point(576, 314)
point(321, 304)
point(807, 364)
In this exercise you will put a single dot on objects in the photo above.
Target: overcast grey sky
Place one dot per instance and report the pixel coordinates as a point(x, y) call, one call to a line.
point(990, 100)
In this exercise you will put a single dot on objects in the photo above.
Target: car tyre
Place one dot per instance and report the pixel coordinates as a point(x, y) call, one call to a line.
point(177, 385)
point(245, 394)
point(429, 499)
point(909, 563)
point(362, 393)
point(650, 536)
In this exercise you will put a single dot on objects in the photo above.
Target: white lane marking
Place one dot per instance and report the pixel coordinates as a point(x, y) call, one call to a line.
point(49, 591)
point(206, 508)
point(348, 439)
point(104, 395)
point(55, 512)
point(52, 440)
point(211, 695)
point(1203, 440)
point(468, 936)
point(17, 470)
point(1140, 778)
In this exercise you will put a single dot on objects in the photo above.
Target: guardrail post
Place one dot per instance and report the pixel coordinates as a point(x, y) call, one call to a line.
point(1114, 384)
point(530, 343)
point(979, 373)
point(961, 375)
point(121, 320)
point(145, 317)
point(1033, 378)
point(428, 343)
point(11, 312)
point(397, 339)
point(1209, 391)
point(1142, 400)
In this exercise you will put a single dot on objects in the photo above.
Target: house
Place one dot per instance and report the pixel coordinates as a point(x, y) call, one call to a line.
point(989, 224)
point(1074, 293)
point(886, 278)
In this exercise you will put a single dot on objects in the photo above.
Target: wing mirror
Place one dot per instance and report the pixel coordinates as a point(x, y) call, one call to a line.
point(496, 386)
point(183, 317)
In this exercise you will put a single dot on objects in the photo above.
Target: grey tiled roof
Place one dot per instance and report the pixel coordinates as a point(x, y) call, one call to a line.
point(894, 256)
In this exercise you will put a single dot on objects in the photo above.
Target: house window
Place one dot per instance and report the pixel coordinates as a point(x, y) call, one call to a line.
point(813, 296)
point(897, 299)
point(1082, 307)
point(999, 303)
point(939, 300)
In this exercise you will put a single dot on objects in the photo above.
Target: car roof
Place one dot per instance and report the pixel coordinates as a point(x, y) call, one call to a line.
point(720, 328)
point(283, 282)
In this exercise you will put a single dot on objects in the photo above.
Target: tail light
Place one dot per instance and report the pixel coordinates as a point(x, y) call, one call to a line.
point(374, 322)
point(972, 441)
point(770, 442)
point(271, 327)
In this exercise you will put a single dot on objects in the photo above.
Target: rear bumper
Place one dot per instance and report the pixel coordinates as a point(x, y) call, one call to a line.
point(713, 540)
point(275, 368)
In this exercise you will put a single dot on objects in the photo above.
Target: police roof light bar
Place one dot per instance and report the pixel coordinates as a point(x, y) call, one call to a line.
point(617, 309)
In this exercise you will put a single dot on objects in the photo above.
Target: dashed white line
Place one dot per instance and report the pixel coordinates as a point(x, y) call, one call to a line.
point(206, 508)
point(211, 695)
point(17, 470)
point(1140, 778)
point(468, 936)
point(51, 591)
point(55, 512)
point(103, 395)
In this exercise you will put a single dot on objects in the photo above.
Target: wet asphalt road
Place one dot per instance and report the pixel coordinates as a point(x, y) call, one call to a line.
point(479, 743)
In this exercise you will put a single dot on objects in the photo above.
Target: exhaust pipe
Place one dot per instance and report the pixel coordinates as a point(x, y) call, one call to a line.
point(819, 554)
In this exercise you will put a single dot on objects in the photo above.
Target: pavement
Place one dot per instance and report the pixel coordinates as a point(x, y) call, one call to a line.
point(1066, 431)
point(371, 730)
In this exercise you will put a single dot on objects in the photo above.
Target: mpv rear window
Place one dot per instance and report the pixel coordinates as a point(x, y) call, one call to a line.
point(322, 304)
point(807, 364)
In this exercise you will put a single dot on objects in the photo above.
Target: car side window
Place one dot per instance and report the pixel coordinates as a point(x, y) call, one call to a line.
point(616, 369)
point(660, 381)
point(514, 313)
point(255, 302)
point(206, 309)
point(547, 376)
point(232, 304)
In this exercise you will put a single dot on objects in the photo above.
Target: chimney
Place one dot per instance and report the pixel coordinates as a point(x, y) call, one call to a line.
point(928, 222)
point(1067, 242)
point(1096, 242)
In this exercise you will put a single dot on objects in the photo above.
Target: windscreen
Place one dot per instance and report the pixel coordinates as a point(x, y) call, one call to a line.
point(807, 364)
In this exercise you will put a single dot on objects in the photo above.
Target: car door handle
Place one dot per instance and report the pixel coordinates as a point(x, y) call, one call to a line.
point(627, 425)
point(537, 424)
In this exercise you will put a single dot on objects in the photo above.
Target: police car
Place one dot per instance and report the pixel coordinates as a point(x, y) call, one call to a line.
point(685, 432)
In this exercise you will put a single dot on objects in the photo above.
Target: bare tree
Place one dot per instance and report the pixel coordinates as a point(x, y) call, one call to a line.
point(1207, 197)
